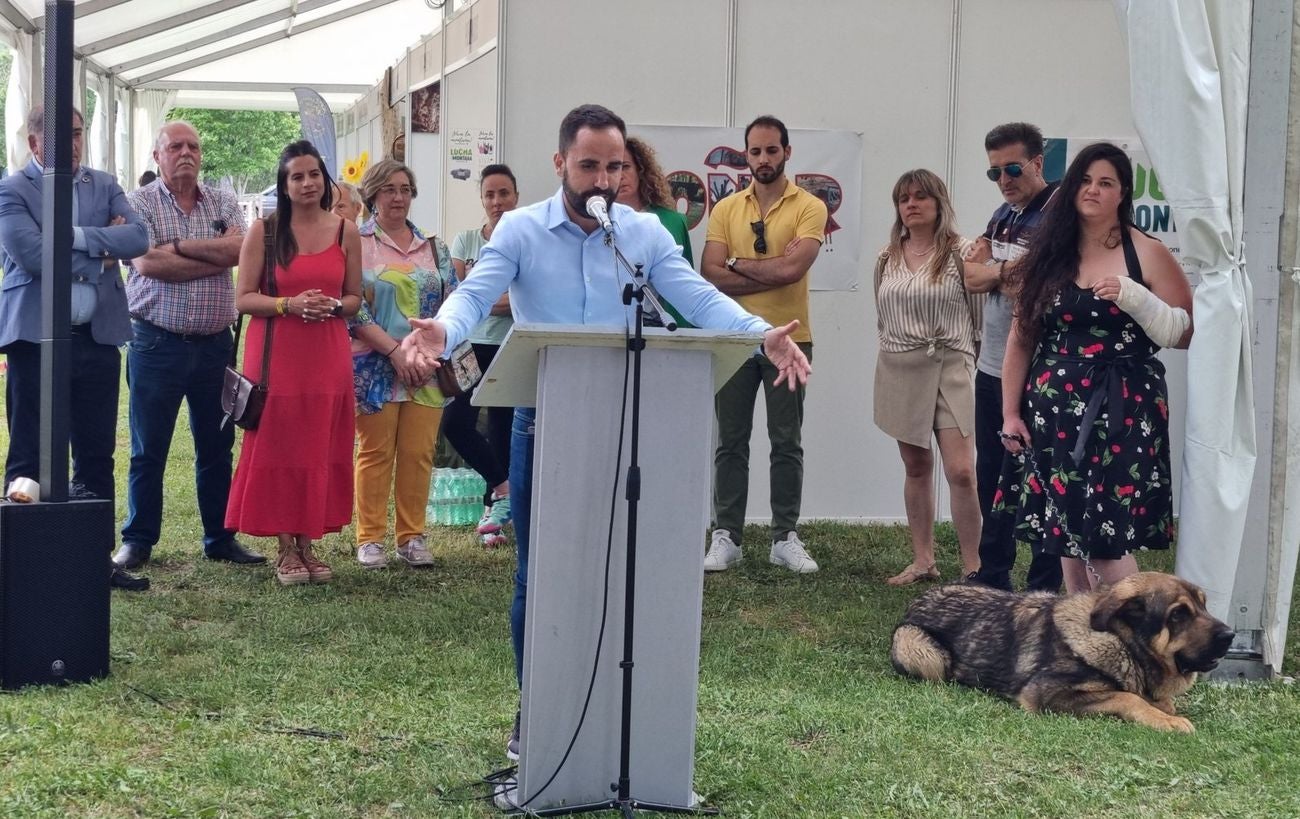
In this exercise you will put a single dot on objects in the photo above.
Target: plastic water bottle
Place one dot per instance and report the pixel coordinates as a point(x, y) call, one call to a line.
point(477, 486)
point(438, 501)
point(455, 497)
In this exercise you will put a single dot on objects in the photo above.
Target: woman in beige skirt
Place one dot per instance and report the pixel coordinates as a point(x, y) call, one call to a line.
point(924, 387)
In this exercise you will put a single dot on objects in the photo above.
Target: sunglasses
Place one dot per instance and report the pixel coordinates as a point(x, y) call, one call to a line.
point(1013, 169)
point(760, 236)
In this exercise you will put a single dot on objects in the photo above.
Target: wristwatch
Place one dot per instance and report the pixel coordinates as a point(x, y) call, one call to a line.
point(730, 264)
point(337, 310)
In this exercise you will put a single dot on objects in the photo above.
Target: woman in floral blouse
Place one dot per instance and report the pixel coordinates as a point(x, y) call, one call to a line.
point(405, 274)
point(1084, 397)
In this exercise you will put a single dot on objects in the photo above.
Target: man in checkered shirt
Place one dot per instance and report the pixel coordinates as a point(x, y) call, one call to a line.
point(182, 301)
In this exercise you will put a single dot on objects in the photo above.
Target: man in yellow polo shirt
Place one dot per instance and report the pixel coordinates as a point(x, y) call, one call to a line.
point(761, 243)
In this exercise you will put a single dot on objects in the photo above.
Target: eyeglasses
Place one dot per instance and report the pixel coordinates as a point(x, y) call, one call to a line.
point(760, 236)
point(390, 190)
point(1013, 169)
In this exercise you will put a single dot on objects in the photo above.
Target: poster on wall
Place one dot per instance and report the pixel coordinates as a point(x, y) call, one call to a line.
point(485, 150)
point(469, 151)
point(426, 109)
point(704, 164)
point(460, 153)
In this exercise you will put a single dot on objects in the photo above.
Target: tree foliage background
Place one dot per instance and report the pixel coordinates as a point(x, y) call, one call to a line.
point(240, 146)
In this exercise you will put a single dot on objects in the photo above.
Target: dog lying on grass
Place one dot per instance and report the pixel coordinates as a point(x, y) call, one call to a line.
point(1125, 650)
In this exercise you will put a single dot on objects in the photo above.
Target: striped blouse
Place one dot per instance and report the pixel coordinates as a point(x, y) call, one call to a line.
point(914, 311)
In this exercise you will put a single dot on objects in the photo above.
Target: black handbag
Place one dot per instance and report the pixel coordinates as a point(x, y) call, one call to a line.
point(242, 400)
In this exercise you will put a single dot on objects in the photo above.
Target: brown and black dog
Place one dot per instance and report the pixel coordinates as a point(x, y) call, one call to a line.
point(1126, 649)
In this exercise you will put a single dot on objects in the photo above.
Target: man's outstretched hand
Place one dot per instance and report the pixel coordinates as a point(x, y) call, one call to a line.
point(424, 346)
point(792, 365)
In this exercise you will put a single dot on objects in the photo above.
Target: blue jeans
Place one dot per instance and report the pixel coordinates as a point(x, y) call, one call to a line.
point(521, 503)
point(162, 368)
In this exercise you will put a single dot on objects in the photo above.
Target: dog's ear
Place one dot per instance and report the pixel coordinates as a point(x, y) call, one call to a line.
point(1114, 605)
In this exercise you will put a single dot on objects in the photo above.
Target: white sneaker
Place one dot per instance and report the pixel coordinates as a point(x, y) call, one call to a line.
point(505, 794)
point(723, 552)
point(371, 555)
point(791, 554)
point(415, 553)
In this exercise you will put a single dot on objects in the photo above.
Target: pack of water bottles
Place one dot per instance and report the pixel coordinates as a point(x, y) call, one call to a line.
point(455, 497)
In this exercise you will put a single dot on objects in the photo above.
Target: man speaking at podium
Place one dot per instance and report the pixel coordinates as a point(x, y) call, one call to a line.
point(553, 258)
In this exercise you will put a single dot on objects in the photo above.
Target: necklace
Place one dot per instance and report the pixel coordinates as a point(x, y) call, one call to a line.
point(921, 253)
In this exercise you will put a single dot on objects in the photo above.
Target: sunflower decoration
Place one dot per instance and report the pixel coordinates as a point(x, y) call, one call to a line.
point(354, 169)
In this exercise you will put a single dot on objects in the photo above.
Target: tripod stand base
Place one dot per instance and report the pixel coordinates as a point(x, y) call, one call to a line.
point(504, 795)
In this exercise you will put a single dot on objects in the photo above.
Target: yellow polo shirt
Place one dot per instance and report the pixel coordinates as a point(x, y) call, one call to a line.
point(796, 214)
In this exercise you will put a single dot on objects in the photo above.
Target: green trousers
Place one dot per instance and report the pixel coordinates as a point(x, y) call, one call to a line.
point(734, 406)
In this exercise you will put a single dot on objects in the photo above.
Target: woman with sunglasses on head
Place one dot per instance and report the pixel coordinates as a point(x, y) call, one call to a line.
point(924, 390)
point(294, 479)
point(405, 274)
point(1084, 396)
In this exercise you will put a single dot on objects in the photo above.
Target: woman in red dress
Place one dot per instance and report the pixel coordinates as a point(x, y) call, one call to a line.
point(294, 479)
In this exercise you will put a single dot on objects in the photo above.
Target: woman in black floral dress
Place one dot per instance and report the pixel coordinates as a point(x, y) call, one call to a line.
point(1081, 383)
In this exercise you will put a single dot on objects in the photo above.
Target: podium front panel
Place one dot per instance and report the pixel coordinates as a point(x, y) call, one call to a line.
point(577, 476)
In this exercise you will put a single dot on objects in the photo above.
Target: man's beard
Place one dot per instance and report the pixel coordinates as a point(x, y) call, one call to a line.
point(768, 176)
point(578, 201)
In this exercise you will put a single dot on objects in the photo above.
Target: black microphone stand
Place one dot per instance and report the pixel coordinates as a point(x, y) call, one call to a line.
point(640, 291)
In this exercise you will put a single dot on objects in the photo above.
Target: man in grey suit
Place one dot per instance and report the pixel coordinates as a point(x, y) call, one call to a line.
point(105, 230)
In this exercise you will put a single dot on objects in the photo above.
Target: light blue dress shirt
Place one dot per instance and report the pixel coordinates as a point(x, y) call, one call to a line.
point(85, 298)
point(558, 274)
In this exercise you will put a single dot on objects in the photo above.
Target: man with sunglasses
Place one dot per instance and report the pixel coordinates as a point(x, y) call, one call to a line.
point(1015, 152)
point(761, 243)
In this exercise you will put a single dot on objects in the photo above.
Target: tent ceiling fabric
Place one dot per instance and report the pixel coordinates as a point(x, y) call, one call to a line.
point(343, 44)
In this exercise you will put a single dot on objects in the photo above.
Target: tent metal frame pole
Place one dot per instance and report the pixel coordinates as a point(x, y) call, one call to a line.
point(1271, 53)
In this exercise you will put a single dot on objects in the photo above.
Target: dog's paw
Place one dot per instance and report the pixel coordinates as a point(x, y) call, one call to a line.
point(1165, 705)
point(1173, 724)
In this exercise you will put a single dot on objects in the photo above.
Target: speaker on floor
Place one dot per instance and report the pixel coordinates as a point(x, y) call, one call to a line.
point(54, 591)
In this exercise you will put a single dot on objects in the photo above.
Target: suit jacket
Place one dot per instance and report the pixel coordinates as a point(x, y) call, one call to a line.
point(99, 199)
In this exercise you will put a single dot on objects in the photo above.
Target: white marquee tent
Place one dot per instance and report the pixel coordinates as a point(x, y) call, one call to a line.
point(152, 55)
point(1215, 89)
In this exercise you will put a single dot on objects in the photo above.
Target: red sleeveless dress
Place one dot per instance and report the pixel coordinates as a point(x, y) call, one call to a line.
point(295, 469)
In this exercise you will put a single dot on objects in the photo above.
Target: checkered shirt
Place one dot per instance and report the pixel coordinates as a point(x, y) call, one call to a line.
point(200, 306)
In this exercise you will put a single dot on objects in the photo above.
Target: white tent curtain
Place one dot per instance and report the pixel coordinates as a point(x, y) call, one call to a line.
point(122, 140)
point(1189, 66)
point(150, 109)
point(18, 101)
point(97, 140)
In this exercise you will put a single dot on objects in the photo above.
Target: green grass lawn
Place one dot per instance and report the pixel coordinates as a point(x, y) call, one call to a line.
point(385, 693)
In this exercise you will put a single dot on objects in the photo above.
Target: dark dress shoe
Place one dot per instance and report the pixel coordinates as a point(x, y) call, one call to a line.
point(131, 556)
point(127, 582)
point(232, 552)
point(78, 491)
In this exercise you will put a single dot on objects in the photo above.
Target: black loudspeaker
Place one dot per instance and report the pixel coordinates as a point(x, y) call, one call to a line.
point(54, 591)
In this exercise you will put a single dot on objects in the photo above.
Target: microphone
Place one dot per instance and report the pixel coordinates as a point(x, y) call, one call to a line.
point(598, 210)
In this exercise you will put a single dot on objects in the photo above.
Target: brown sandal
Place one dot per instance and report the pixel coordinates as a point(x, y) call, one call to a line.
point(289, 568)
point(913, 574)
point(317, 570)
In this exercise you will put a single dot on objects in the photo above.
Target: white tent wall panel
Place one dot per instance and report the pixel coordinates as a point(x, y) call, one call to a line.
point(470, 103)
point(859, 74)
point(672, 72)
point(719, 63)
point(473, 28)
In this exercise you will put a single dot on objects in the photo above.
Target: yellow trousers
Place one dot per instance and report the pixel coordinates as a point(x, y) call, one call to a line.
point(399, 438)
